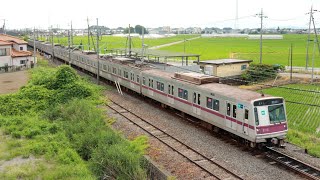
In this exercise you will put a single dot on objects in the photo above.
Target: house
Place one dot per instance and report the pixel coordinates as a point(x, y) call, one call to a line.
point(13, 52)
point(224, 67)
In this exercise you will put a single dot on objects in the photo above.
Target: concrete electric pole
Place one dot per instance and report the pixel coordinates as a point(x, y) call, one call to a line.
point(261, 16)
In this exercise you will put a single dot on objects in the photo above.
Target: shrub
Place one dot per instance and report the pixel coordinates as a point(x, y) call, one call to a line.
point(259, 72)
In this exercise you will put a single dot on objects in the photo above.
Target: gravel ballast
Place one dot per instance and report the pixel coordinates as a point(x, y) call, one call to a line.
point(241, 162)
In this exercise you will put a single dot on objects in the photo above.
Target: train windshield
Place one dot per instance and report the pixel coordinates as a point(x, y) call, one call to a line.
point(276, 113)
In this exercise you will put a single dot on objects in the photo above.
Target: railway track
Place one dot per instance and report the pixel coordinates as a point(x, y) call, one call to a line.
point(293, 163)
point(207, 164)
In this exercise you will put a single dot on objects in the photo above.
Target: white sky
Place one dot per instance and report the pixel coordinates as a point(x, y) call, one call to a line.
point(156, 13)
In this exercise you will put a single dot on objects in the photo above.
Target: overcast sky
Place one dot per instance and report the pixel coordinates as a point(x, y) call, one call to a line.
point(156, 13)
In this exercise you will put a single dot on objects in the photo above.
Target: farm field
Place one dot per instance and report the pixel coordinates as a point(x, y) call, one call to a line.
point(111, 42)
point(274, 51)
point(304, 120)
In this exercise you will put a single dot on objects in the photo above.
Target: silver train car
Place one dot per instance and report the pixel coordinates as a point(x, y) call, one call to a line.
point(257, 119)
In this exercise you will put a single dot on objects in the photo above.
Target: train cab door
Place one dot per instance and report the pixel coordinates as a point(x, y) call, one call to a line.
point(196, 101)
point(170, 94)
point(231, 115)
point(263, 115)
point(245, 123)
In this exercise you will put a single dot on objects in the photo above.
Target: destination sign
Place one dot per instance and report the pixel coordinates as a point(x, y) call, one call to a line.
point(268, 102)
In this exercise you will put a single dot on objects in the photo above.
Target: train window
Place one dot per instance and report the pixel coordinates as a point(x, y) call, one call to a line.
point(216, 105)
point(162, 87)
point(234, 111)
point(198, 99)
point(119, 72)
point(149, 82)
point(172, 90)
point(143, 80)
point(209, 103)
point(138, 79)
point(180, 93)
point(109, 68)
point(194, 98)
point(125, 74)
point(185, 94)
point(158, 85)
point(114, 70)
point(152, 83)
point(105, 67)
point(169, 89)
point(246, 114)
point(228, 109)
point(256, 116)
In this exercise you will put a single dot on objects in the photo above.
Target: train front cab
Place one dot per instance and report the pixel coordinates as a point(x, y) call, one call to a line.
point(270, 121)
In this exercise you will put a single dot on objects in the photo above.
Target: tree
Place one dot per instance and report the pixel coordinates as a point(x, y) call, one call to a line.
point(126, 31)
point(138, 29)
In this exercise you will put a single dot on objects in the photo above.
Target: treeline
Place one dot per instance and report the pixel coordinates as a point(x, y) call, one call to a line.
point(55, 118)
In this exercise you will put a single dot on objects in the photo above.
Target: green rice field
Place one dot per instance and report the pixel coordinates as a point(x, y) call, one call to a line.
point(274, 51)
point(112, 42)
point(304, 120)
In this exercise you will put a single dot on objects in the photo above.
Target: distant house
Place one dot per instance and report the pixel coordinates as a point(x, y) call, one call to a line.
point(13, 52)
point(224, 67)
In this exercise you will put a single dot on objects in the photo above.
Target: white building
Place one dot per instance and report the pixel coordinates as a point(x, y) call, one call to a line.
point(13, 52)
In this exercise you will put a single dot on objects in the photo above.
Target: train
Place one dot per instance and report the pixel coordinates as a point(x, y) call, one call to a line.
point(258, 119)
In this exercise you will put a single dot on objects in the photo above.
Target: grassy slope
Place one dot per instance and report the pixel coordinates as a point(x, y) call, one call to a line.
point(274, 51)
point(53, 130)
point(304, 121)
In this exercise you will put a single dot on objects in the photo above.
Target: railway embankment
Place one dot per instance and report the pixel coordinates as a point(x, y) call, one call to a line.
point(52, 129)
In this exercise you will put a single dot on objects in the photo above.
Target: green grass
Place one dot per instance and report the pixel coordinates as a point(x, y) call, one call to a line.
point(304, 121)
point(274, 51)
point(55, 119)
point(111, 42)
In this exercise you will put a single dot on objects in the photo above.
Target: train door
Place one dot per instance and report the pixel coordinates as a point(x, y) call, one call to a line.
point(263, 115)
point(150, 90)
point(245, 123)
point(170, 94)
point(196, 103)
point(231, 115)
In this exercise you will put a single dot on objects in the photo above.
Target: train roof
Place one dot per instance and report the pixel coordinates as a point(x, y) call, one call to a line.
point(222, 89)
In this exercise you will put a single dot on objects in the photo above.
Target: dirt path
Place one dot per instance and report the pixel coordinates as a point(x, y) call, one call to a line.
point(173, 43)
point(11, 82)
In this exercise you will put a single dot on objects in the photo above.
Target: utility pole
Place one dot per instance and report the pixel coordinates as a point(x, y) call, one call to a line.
point(34, 45)
point(313, 54)
point(129, 42)
point(261, 16)
point(291, 64)
point(142, 43)
point(88, 34)
point(4, 26)
point(69, 49)
point(315, 32)
point(52, 44)
point(71, 35)
point(307, 55)
point(98, 52)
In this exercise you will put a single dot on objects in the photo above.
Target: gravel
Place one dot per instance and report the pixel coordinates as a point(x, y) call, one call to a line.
point(242, 162)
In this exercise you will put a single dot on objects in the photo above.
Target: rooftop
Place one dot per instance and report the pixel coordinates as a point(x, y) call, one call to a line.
point(8, 38)
point(225, 61)
point(15, 53)
point(4, 43)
